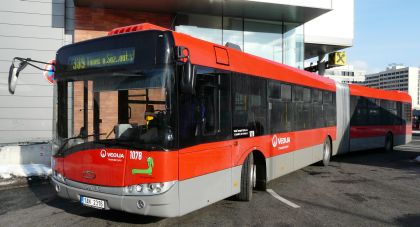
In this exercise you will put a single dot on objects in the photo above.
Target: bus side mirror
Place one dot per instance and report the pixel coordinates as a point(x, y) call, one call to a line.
point(188, 78)
point(188, 72)
point(14, 74)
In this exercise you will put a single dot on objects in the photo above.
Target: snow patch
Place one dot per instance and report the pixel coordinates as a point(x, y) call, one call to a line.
point(28, 170)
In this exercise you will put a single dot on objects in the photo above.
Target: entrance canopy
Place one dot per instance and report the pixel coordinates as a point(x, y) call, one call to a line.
point(299, 11)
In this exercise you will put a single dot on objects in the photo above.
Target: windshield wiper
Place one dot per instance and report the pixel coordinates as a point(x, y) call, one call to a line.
point(79, 137)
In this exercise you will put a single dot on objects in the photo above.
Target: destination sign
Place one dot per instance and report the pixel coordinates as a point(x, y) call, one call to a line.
point(100, 59)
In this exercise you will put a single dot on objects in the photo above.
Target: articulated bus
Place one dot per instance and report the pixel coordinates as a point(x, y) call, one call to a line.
point(155, 122)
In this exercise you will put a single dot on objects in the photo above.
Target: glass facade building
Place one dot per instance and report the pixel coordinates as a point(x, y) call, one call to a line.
point(277, 41)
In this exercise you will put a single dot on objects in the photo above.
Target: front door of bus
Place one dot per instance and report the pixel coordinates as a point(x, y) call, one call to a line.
point(206, 156)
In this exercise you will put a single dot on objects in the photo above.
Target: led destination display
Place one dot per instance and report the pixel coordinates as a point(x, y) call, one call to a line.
point(114, 57)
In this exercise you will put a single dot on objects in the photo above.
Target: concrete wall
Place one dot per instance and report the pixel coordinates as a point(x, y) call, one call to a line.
point(26, 154)
point(34, 29)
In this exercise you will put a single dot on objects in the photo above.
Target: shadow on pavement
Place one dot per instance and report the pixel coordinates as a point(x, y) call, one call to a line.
point(47, 195)
point(409, 220)
point(401, 158)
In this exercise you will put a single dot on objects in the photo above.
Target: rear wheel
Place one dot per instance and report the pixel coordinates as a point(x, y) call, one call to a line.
point(389, 142)
point(248, 176)
point(326, 153)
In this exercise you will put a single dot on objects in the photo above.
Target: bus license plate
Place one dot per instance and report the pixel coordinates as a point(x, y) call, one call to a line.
point(95, 203)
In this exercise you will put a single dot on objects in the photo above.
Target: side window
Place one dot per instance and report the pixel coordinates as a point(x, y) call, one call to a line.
point(249, 103)
point(406, 113)
point(307, 109)
point(399, 120)
point(318, 120)
point(373, 112)
point(389, 112)
point(299, 116)
point(329, 108)
point(206, 115)
point(281, 112)
point(361, 112)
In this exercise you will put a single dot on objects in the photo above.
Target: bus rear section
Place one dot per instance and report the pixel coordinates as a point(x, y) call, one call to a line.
point(379, 119)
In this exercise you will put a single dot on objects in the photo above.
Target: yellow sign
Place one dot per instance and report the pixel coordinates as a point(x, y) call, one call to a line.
point(102, 59)
point(337, 59)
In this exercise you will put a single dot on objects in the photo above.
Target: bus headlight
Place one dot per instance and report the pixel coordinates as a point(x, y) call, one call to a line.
point(148, 189)
point(59, 177)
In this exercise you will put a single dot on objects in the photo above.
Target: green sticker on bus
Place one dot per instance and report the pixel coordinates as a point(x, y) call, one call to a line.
point(147, 171)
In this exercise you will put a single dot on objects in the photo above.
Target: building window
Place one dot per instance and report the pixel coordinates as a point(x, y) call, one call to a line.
point(263, 39)
point(273, 40)
point(293, 45)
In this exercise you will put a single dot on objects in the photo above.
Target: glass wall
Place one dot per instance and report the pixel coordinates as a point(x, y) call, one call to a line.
point(264, 39)
point(293, 45)
point(204, 27)
point(277, 41)
point(233, 31)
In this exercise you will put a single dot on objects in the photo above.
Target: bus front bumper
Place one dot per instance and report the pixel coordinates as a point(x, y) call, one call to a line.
point(162, 205)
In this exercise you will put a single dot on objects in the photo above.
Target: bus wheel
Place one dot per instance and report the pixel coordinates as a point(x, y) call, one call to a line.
point(326, 152)
point(389, 142)
point(247, 178)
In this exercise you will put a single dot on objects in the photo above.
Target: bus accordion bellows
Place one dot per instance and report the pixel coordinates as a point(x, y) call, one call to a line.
point(155, 122)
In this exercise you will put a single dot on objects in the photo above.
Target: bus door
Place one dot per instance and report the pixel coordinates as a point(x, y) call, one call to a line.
point(205, 157)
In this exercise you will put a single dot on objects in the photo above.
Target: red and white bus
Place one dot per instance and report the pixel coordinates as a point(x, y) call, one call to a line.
point(155, 122)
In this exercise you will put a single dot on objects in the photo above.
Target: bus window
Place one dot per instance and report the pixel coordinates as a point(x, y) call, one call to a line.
point(299, 123)
point(373, 112)
point(307, 109)
point(249, 99)
point(318, 121)
point(281, 112)
point(329, 108)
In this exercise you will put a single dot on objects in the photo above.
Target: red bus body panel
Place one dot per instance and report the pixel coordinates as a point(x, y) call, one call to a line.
point(116, 171)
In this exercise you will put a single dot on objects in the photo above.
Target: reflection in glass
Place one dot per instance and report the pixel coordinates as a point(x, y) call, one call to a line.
point(233, 31)
point(293, 45)
point(276, 41)
point(204, 27)
point(263, 39)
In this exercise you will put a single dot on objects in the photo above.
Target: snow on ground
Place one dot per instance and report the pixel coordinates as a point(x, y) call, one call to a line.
point(27, 170)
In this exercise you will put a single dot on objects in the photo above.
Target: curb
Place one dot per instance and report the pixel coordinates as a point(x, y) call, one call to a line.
point(19, 182)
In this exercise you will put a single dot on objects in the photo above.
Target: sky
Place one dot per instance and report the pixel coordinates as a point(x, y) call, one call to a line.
point(386, 31)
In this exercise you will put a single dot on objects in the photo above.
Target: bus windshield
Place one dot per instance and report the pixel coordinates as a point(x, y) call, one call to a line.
point(117, 109)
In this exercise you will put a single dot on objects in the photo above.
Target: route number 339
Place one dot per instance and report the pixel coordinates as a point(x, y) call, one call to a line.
point(136, 155)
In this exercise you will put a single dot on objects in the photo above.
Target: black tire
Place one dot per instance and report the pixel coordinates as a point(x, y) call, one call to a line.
point(246, 179)
point(389, 142)
point(326, 152)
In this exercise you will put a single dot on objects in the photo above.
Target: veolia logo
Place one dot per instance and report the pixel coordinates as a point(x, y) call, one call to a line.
point(103, 153)
point(280, 141)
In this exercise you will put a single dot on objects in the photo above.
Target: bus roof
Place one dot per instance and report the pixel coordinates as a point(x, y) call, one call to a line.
point(213, 55)
point(359, 90)
point(217, 56)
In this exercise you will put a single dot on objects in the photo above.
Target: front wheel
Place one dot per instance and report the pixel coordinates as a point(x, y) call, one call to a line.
point(247, 179)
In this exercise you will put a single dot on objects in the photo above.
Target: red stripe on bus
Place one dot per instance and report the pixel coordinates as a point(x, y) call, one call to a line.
point(378, 130)
point(207, 158)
